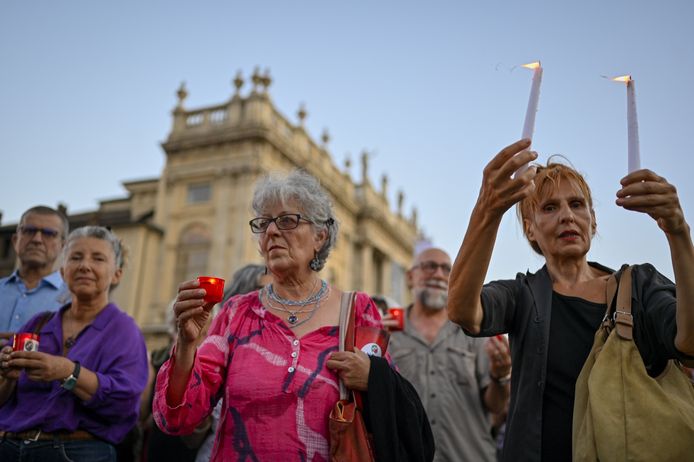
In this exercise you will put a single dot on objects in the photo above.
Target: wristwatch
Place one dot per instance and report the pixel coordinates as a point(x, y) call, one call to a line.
point(71, 380)
point(501, 380)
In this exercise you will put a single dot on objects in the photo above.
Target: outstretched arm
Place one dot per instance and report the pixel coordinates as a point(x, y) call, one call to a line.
point(498, 193)
point(644, 191)
point(192, 313)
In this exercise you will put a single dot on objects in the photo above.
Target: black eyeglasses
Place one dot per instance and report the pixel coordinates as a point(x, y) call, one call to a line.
point(28, 230)
point(430, 267)
point(283, 222)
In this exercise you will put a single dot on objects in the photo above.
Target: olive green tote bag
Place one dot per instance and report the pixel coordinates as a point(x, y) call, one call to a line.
point(620, 412)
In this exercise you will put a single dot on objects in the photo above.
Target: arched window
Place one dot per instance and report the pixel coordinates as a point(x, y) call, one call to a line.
point(193, 252)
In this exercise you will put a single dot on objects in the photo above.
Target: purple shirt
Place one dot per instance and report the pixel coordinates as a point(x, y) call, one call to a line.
point(113, 348)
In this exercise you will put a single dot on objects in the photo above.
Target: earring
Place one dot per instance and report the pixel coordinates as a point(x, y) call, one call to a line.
point(315, 263)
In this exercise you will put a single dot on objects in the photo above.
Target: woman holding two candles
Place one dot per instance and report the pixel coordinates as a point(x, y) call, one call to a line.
point(553, 314)
point(272, 354)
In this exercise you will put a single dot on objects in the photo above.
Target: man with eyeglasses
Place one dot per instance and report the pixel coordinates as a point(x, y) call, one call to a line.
point(460, 379)
point(36, 285)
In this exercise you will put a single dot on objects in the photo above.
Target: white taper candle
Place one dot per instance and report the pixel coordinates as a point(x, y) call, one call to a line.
point(633, 149)
point(533, 101)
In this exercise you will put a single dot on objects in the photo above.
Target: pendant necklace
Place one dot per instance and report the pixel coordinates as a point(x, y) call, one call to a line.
point(307, 301)
point(293, 318)
point(292, 315)
point(70, 341)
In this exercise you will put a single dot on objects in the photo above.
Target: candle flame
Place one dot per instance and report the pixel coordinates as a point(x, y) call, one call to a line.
point(623, 78)
point(534, 65)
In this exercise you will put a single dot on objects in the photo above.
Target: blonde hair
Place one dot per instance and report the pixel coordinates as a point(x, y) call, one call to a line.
point(547, 180)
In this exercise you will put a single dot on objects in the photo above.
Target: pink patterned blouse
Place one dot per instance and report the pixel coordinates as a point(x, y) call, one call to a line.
point(277, 391)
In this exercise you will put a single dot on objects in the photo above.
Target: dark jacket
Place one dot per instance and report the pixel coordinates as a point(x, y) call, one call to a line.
point(522, 308)
point(394, 414)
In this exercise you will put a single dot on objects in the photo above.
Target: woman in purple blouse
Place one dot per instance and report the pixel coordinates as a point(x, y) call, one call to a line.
point(78, 395)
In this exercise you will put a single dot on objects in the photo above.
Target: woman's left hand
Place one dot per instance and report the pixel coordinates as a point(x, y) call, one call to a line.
point(644, 191)
point(42, 367)
point(352, 367)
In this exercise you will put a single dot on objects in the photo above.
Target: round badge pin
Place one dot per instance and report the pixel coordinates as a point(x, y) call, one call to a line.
point(372, 349)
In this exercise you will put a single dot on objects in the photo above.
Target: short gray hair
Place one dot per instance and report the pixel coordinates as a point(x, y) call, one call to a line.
point(98, 232)
point(303, 190)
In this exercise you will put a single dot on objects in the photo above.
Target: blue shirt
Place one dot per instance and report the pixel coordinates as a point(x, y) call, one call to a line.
point(18, 305)
point(112, 347)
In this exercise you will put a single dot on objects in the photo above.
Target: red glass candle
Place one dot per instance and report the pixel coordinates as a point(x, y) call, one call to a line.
point(25, 342)
point(399, 315)
point(214, 288)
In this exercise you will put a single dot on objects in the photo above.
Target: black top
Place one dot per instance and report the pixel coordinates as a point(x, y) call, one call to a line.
point(573, 325)
point(523, 307)
point(394, 414)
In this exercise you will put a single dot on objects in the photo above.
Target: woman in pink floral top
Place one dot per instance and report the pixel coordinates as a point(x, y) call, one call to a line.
point(271, 354)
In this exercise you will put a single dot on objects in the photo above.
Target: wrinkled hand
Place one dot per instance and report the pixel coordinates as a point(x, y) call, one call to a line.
point(644, 191)
point(352, 367)
point(41, 367)
point(499, 354)
point(6, 371)
point(191, 311)
point(499, 190)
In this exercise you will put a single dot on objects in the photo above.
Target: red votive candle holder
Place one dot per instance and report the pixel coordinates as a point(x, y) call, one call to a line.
point(25, 342)
point(214, 288)
point(399, 315)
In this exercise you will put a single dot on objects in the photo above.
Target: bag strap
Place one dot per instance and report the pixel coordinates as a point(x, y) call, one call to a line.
point(346, 331)
point(43, 319)
point(623, 319)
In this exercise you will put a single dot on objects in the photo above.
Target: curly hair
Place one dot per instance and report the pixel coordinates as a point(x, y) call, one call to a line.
point(304, 191)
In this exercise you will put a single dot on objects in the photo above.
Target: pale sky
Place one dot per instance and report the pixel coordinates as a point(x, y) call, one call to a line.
point(432, 89)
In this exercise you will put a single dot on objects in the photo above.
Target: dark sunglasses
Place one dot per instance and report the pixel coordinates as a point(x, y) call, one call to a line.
point(28, 230)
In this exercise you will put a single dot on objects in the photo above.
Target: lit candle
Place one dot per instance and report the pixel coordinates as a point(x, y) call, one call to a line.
point(529, 124)
point(634, 152)
point(214, 288)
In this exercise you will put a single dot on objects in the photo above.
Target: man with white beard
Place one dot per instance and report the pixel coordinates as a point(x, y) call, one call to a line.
point(460, 379)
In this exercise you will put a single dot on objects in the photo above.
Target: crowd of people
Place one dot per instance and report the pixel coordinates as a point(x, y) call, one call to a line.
point(477, 372)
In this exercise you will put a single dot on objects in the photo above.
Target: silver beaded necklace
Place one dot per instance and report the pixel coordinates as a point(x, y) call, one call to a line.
point(292, 315)
point(313, 298)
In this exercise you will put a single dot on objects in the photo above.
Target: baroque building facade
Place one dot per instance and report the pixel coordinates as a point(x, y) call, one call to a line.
point(193, 219)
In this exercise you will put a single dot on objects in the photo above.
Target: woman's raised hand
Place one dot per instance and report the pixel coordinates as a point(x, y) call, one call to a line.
point(644, 191)
point(500, 191)
point(191, 311)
